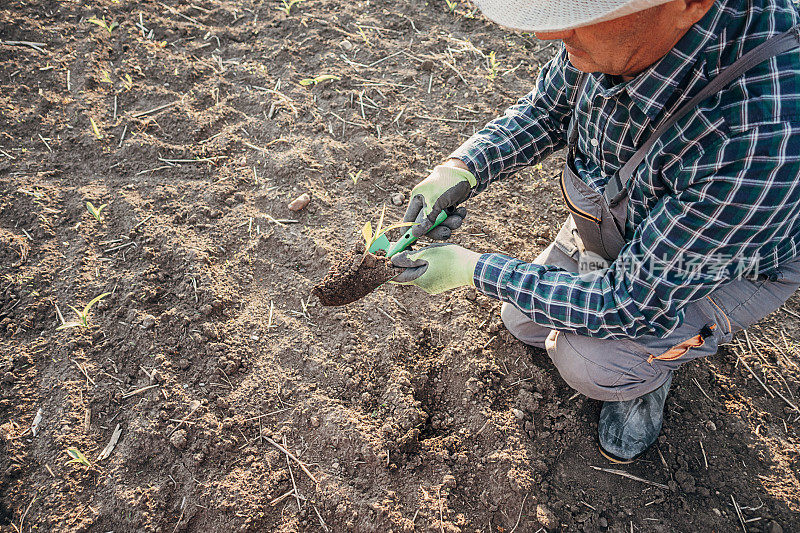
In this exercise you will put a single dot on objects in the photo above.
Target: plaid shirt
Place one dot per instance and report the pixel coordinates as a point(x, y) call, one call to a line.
point(719, 190)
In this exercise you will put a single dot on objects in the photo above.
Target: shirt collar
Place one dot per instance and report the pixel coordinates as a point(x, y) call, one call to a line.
point(652, 89)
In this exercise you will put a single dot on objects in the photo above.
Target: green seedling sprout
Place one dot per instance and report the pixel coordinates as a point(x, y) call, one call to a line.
point(96, 212)
point(83, 316)
point(452, 5)
point(366, 231)
point(127, 82)
point(355, 176)
point(105, 77)
point(319, 79)
point(103, 24)
point(77, 457)
point(494, 66)
point(95, 129)
point(286, 7)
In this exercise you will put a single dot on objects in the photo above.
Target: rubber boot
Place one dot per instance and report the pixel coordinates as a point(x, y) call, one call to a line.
point(627, 429)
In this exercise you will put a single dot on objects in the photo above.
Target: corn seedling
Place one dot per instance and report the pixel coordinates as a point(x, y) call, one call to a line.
point(95, 211)
point(77, 457)
point(319, 79)
point(83, 316)
point(95, 130)
point(105, 77)
point(127, 82)
point(452, 5)
point(286, 7)
point(370, 238)
point(355, 176)
point(103, 24)
point(494, 66)
point(363, 35)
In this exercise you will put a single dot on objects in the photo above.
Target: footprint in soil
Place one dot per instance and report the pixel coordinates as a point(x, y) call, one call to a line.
point(354, 275)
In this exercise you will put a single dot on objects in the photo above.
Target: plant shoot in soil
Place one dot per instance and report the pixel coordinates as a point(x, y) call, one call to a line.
point(83, 316)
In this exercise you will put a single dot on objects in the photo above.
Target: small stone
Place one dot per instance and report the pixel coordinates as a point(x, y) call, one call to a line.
point(183, 364)
point(314, 421)
point(546, 517)
point(518, 413)
point(300, 202)
point(711, 426)
point(206, 309)
point(602, 522)
point(398, 198)
point(178, 439)
point(449, 482)
point(426, 65)
point(716, 511)
point(347, 45)
point(8, 378)
point(774, 527)
point(148, 322)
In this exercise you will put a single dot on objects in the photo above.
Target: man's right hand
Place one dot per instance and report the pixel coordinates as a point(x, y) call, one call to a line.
point(446, 187)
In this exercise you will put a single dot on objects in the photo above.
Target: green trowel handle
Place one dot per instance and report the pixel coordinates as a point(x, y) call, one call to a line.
point(408, 239)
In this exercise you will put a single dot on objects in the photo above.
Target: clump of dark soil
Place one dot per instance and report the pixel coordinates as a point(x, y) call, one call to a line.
point(13, 248)
point(354, 275)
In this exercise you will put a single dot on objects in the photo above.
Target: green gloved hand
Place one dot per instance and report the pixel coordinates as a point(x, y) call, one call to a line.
point(445, 188)
point(436, 268)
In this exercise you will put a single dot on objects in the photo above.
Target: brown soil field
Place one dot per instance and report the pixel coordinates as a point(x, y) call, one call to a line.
point(189, 122)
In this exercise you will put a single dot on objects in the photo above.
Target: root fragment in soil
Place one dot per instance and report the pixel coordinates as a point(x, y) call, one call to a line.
point(354, 275)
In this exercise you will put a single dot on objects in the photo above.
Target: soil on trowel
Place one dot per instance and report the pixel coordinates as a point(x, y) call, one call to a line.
point(354, 275)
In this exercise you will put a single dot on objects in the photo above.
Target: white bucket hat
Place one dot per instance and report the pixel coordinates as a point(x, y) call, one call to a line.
point(554, 15)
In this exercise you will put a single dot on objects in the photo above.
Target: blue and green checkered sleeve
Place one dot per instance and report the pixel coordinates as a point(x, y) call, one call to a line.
point(528, 131)
point(740, 201)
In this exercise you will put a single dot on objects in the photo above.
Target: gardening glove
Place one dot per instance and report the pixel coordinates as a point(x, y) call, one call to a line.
point(436, 268)
point(445, 188)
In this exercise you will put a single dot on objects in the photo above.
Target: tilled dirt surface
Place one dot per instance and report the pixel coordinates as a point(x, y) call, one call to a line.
point(412, 413)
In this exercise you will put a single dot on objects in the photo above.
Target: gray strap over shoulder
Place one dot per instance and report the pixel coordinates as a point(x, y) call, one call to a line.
point(572, 131)
point(617, 187)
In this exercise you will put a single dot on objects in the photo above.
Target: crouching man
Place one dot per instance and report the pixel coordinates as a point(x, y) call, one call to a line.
point(681, 120)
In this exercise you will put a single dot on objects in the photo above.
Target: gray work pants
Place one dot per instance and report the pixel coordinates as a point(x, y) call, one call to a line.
point(619, 370)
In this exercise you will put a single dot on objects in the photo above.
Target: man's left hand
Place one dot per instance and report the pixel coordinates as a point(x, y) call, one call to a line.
point(436, 268)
